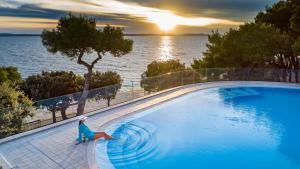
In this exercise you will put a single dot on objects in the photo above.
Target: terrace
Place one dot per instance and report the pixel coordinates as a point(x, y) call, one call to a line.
point(52, 145)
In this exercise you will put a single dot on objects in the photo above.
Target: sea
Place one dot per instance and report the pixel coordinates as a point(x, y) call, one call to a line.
point(28, 54)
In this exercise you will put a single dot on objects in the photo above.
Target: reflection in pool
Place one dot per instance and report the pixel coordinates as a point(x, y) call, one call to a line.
point(214, 128)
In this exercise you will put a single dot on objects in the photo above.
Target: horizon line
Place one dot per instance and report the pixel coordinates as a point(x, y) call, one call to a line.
point(125, 34)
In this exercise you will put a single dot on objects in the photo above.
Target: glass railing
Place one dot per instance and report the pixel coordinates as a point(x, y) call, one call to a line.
point(65, 107)
point(174, 79)
point(60, 108)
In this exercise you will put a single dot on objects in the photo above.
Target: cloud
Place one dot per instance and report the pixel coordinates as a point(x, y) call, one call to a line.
point(225, 9)
point(142, 13)
point(29, 10)
point(26, 23)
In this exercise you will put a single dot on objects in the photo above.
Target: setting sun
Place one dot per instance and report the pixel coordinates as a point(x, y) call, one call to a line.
point(165, 21)
point(166, 26)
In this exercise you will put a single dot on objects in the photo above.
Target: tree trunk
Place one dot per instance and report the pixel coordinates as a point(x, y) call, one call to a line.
point(297, 70)
point(278, 74)
point(63, 114)
point(290, 75)
point(53, 116)
point(83, 97)
point(284, 75)
point(108, 102)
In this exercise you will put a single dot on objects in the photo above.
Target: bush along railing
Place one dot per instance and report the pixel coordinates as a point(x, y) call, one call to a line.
point(60, 108)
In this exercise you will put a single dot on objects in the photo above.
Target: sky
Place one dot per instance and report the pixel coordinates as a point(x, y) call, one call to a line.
point(135, 16)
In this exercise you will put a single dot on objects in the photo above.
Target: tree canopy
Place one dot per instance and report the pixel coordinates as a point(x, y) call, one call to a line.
point(156, 68)
point(14, 108)
point(77, 37)
point(252, 45)
point(296, 47)
point(284, 15)
point(10, 74)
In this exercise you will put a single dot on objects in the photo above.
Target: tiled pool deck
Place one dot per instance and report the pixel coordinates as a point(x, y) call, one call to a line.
point(53, 146)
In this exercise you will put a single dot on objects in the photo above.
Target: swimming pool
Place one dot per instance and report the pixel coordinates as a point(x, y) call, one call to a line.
point(237, 127)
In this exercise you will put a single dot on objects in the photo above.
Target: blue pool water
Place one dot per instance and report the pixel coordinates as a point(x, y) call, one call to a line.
point(232, 128)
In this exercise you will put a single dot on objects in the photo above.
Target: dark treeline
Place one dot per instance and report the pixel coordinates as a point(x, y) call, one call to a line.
point(271, 41)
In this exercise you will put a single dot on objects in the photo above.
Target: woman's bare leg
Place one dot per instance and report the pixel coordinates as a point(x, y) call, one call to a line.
point(99, 135)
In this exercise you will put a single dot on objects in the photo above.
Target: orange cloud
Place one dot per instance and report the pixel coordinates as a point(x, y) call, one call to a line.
point(26, 23)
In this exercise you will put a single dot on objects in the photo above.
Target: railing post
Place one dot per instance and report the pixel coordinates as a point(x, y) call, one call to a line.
point(200, 74)
point(106, 95)
point(181, 78)
point(194, 80)
point(206, 74)
point(132, 95)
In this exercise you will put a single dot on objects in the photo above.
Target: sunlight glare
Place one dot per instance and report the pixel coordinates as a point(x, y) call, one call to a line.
point(164, 21)
point(166, 49)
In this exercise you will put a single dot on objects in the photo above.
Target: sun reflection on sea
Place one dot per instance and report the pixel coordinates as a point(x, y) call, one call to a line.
point(166, 49)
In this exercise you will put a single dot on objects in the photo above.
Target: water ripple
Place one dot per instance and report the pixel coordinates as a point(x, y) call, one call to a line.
point(137, 143)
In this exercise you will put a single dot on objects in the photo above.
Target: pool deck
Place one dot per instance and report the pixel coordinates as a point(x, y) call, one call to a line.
point(53, 146)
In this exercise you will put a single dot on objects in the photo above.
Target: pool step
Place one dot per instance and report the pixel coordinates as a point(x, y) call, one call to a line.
point(230, 93)
point(137, 143)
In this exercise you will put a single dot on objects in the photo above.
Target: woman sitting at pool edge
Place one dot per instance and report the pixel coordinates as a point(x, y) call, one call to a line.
point(89, 134)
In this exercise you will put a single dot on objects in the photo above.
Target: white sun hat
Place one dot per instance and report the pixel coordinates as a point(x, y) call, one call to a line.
point(82, 117)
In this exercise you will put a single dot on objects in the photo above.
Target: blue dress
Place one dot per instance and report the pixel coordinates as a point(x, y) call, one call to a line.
point(84, 130)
